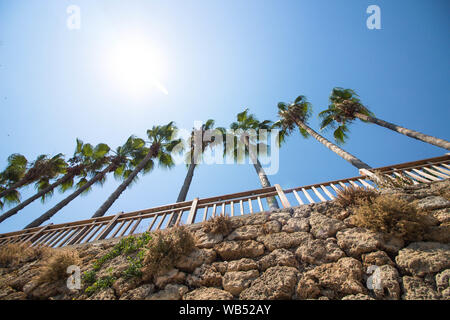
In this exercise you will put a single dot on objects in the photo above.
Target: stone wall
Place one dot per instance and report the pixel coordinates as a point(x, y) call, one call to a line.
point(306, 252)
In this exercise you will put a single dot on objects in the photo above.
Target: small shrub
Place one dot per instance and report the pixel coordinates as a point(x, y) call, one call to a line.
point(392, 216)
point(127, 245)
point(164, 249)
point(102, 283)
point(55, 267)
point(350, 196)
point(16, 253)
point(89, 277)
point(218, 225)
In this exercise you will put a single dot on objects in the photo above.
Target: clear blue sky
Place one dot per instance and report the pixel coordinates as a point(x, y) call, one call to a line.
point(218, 57)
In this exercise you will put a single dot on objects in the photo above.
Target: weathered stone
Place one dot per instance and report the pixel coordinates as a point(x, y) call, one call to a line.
point(114, 267)
point(123, 285)
point(278, 257)
point(170, 292)
point(442, 215)
point(307, 288)
point(172, 276)
point(421, 258)
point(195, 259)
point(243, 264)
point(439, 233)
point(281, 217)
point(356, 241)
point(343, 278)
point(443, 283)
point(296, 225)
point(236, 281)
point(385, 283)
point(303, 211)
point(283, 240)
point(416, 289)
point(206, 240)
point(432, 203)
point(273, 226)
point(104, 294)
point(206, 275)
point(45, 290)
point(234, 250)
point(139, 293)
point(208, 294)
point(377, 258)
point(259, 218)
point(358, 296)
point(319, 251)
point(324, 227)
point(246, 232)
point(220, 266)
point(392, 244)
point(275, 283)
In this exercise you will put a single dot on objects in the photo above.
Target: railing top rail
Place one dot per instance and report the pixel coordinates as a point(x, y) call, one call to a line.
point(440, 159)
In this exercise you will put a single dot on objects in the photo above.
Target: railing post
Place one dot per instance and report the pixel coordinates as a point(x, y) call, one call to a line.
point(283, 198)
point(109, 227)
point(192, 212)
point(38, 234)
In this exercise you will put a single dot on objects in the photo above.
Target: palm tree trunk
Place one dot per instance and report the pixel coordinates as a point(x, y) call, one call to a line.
point(265, 183)
point(50, 213)
point(116, 194)
point(184, 190)
point(23, 204)
point(15, 186)
point(407, 132)
point(339, 151)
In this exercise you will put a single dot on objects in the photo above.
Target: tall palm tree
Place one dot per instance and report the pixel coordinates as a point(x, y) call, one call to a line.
point(298, 114)
point(82, 158)
point(241, 127)
point(162, 142)
point(97, 164)
point(194, 155)
point(19, 172)
point(345, 107)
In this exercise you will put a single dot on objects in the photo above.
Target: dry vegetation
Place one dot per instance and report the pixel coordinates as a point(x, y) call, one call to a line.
point(388, 214)
point(17, 253)
point(54, 268)
point(350, 196)
point(218, 225)
point(164, 249)
point(392, 216)
point(383, 181)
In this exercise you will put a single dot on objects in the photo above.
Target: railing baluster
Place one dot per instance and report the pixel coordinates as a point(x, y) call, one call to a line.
point(299, 200)
point(318, 194)
point(205, 213)
point(308, 196)
point(426, 175)
point(214, 210)
point(261, 208)
point(232, 208)
point(242, 207)
point(328, 193)
point(250, 206)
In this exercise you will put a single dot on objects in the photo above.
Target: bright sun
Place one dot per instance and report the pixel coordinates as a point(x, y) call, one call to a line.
point(137, 66)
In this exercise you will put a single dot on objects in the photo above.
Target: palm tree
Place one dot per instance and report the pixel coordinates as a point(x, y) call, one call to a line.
point(298, 113)
point(83, 156)
point(161, 142)
point(241, 127)
point(96, 163)
point(345, 107)
point(196, 151)
point(13, 177)
point(193, 156)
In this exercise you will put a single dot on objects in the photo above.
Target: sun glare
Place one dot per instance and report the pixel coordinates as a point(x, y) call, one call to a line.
point(137, 66)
